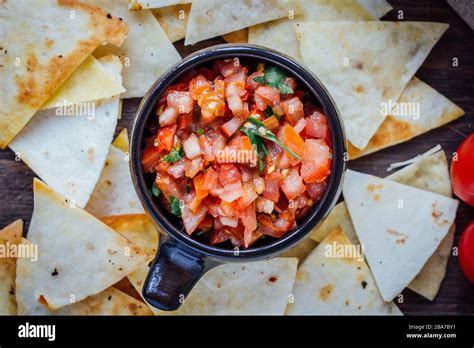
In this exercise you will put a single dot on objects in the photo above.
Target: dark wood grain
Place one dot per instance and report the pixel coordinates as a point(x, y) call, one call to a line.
point(456, 295)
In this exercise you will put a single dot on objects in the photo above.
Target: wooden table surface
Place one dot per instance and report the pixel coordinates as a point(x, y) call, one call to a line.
point(456, 295)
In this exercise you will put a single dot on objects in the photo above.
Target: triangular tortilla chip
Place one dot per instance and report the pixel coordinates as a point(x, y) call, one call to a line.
point(78, 255)
point(121, 141)
point(114, 193)
point(136, 5)
point(146, 53)
point(430, 173)
point(251, 288)
point(10, 238)
point(127, 287)
point(90, 81)
point(280, 34)
point(435, 110)
point(335, 280)
point(173, 20)
point(366, 65)
point(108, 302)
point(239, 36)
point(399, 226)
point(378, 8)
point(210, 18)
point(69, 152)
point(43, 42)
point(302, 250)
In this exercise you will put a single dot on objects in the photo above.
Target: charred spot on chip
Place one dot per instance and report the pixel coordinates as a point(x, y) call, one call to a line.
point(272, 279)
point(55, 272)
point(364, 284)
point(109, 16)
point(109, 298)
point(12, 291)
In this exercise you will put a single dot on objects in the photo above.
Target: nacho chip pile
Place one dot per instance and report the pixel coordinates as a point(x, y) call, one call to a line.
point(66, 65)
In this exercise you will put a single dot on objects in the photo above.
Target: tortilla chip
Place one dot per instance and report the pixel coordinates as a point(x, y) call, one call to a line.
point(89, 81)
point(78, 255)
point(69, 152)
point(366, 65)
point(127, 287)
point(41, 47)
point(302, 250)
point(239, 36)
point(137, 5)
point(121, 141)
point(114, 193)
point(337, 284)
point(253, 288)
point(108, 302)
point(378, 8)
point(280, 34)
point(429, 173)
point(173, 20)
point(434, 108)
point(405, 228)
point(146, 53)
point(211, 18)
point(10, 236)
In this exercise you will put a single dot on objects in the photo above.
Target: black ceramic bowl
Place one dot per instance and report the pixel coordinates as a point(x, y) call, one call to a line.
point(181, 259)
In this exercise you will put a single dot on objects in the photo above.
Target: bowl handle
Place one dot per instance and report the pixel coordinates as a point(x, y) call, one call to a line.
point(174, 272)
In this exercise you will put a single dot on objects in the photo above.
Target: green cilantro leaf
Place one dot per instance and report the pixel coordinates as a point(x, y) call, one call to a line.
point(200, 131)
point(155, 190)
point(175, 206)
point(259, 79)
point(284, 88)
point(174, 155)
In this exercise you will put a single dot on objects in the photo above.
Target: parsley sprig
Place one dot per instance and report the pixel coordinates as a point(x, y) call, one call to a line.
point(274, 77)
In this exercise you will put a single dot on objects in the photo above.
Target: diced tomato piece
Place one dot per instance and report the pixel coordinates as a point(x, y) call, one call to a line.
point(292, 184)
point(219, 88)
point(264, 205)
point(259, 184)
point(316, 189)
point(207, 73)
point(271, 123)
point(317, 127)
point(228, 173)
point(230, 192)
point(198, 85)
point(239, 78)
point(191, 147)
point(191, 220)
point(212, 106)
point(231, 222)
point(176, 169)
point(203, 183)
point(248, 197)
point(300, 125)
point(185, 121)
point(288, 136)
point(268, 228)
point(229, 67)
point(316, 162)
point(253, 85)
point(192, 201)
point(236, 105)
point(270, 95)
point(165, 137)
point(150, 158)
point(168, 116)
point(181, 101)
point(168, 186)
point(260, 102)
point(249, 220)
point(206, 223)
point(218, 236)
point(293, 109)
point(192, 167)
point(272, 186)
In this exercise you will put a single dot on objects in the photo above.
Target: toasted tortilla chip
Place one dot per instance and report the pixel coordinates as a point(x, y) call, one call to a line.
point(10, 238)
point(114, 193)
point(280, 34)
point(430, 173)
point(378, 8)
point(253, 288)
point(127, 287)
point(108, 302)
point(137, 5)
point(41, 47)
point(68, 152)
point(210, 18)
point(146, 53)
point(405, 228)
point(366, 65)
point(121, 141)
point(78, 255)
point(333, 283)
point(90, 81)
point(173, 20)
point(239, 36)
point(302, 250)
point(435, 110)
